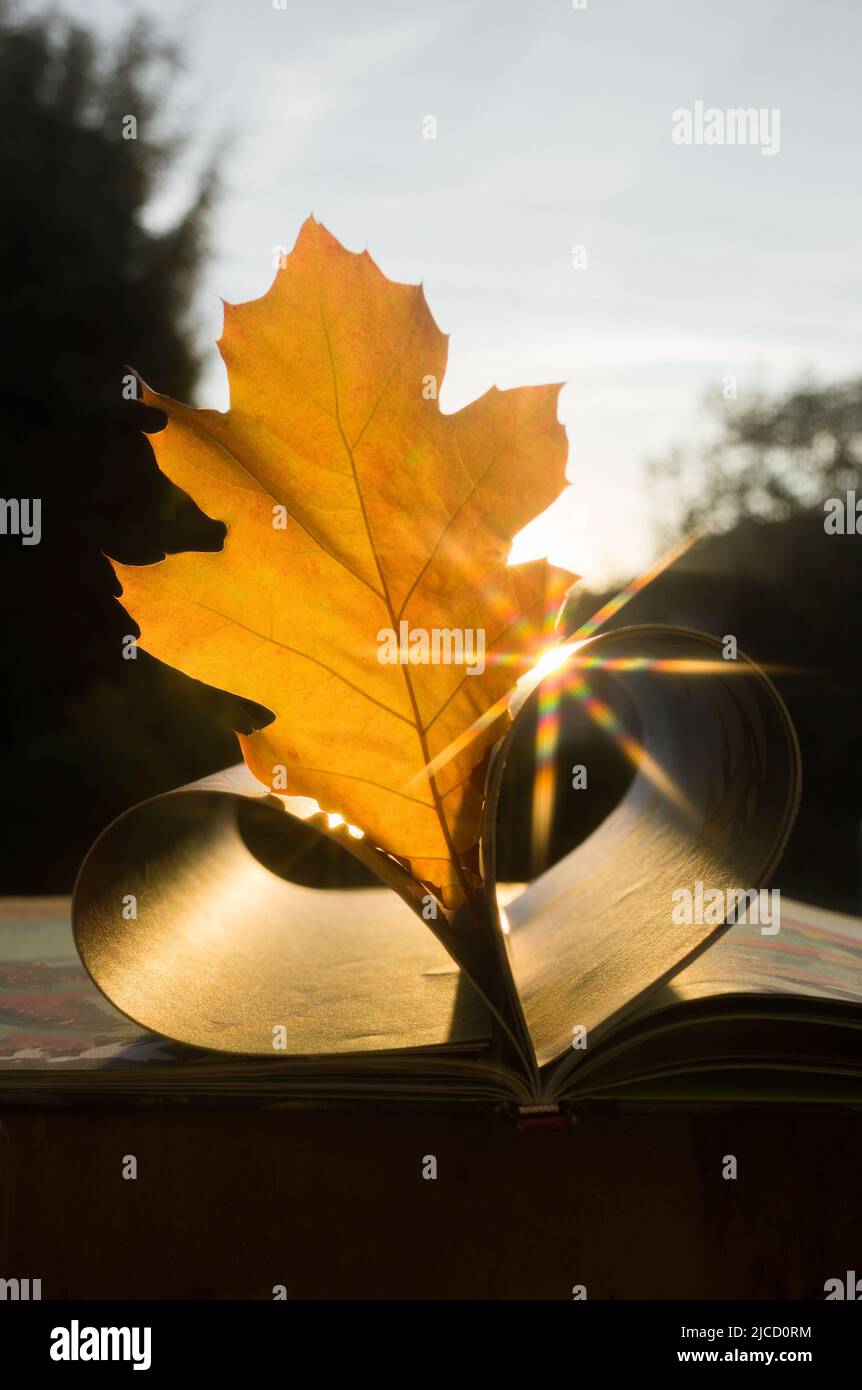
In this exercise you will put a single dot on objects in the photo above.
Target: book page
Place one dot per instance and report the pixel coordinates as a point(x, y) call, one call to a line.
point(711, 803)
point(816, 954)
point(775, 1016)
point(61, 1037)
point(191, 935)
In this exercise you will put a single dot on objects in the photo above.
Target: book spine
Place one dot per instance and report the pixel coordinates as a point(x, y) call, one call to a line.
point(543, 1117)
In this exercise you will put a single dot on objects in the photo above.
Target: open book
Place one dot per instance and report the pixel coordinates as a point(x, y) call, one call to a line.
point(641, 965)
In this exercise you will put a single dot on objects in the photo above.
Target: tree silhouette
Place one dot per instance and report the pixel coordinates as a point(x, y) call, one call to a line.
point(88, 287)
point(772, 456)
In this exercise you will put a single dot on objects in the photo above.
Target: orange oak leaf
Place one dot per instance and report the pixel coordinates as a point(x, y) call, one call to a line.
point(358, 515)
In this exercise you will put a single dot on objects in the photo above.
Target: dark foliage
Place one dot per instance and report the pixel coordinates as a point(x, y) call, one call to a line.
point(86, 289)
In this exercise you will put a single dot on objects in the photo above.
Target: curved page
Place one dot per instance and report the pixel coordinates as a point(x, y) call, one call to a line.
point(224, 952)
point(712, 803)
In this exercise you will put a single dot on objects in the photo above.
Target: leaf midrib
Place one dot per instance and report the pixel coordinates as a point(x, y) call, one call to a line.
point(454, 857)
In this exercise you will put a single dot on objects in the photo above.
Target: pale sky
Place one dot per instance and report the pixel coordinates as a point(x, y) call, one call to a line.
point(553, 130)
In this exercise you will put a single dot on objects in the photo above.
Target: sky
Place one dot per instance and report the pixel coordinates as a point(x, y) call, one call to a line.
point(554, 130)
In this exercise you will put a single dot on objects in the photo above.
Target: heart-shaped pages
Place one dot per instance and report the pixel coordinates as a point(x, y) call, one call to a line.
point(192, 915)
